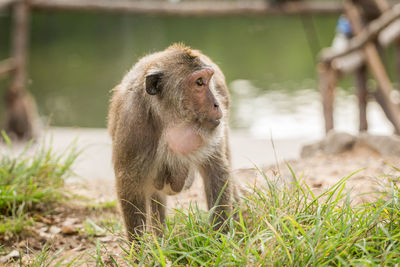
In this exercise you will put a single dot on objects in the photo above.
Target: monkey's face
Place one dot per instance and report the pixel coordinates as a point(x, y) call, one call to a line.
point(199, 99)
point(188, 96)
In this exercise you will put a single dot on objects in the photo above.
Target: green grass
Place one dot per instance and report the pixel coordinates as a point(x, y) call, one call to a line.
point(283, 225)
point(31, 178)
point(107, 205)
point(279, 225)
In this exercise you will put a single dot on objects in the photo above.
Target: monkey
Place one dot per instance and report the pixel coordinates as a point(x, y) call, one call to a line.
point(168, 120)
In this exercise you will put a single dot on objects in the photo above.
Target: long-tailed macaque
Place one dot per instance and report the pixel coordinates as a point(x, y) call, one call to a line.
point(168, 118)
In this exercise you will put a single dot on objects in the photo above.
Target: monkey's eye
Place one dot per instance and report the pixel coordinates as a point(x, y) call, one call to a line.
point(200, 82)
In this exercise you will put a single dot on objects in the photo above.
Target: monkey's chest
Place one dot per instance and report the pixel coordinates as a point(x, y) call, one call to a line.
point(183, 139)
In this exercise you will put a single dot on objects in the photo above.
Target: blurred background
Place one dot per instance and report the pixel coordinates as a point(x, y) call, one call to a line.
point(77, 57)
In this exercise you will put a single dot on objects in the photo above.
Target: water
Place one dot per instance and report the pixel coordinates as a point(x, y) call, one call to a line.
point(272, 115)
point(77, 58)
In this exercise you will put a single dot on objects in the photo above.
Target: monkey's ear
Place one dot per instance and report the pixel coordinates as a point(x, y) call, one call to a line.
point(153, 83)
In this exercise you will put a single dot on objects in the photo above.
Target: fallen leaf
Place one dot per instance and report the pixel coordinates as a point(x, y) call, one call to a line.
point(70, 221)
point(68, 230)
point(54, 230)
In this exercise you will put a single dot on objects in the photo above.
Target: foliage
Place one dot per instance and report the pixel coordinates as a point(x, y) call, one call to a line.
point(33, 177)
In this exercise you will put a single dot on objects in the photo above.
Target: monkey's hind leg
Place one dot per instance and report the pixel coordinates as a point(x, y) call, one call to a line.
point(218, 188)
point(158, 203)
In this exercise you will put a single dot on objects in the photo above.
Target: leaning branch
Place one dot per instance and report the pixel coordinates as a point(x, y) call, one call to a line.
point(367, 34)
point(192, 8)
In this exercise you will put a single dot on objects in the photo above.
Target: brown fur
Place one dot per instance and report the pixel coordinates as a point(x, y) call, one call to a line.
point(145, 166)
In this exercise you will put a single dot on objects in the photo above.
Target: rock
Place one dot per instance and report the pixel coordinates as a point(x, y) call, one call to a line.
point(384, 145)
point(22, 244)
point(336, 142)
point(311, 150)
point(13, 255)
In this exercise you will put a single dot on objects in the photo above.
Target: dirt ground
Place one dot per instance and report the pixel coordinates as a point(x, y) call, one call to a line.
point(75, 227)
point(370, 172)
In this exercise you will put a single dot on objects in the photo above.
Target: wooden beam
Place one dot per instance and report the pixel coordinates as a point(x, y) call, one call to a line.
point(6, 3)
point(192, 8)
point(6, 66)
point(380, 98)
point(364, 36)
point(374, 62)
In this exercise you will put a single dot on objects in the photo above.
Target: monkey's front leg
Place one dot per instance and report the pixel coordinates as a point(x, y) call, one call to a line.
point(133, 203)
point(158, 203)
point(218, 187)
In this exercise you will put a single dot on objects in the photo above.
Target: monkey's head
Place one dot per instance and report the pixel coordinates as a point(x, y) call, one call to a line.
point(181, 84)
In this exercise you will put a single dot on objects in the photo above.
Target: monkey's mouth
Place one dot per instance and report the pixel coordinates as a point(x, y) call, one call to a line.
point(211, 123)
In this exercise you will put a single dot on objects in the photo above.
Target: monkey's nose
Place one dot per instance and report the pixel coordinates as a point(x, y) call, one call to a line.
point(216, 105)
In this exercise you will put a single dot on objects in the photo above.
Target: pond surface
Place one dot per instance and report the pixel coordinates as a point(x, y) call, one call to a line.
point(77, 58)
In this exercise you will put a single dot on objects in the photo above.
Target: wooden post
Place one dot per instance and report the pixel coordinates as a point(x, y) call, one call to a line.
point(19, 45)
point(384, 6)
point(20, 106)
point(362, 96)
point(327, 83)
point(378, 69)
point(397, 47)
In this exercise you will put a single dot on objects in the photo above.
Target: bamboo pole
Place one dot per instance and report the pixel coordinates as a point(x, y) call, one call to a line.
point(192, 8)
point(375, 64)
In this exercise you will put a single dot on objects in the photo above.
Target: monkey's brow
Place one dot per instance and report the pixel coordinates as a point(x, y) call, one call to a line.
point(200, 67)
